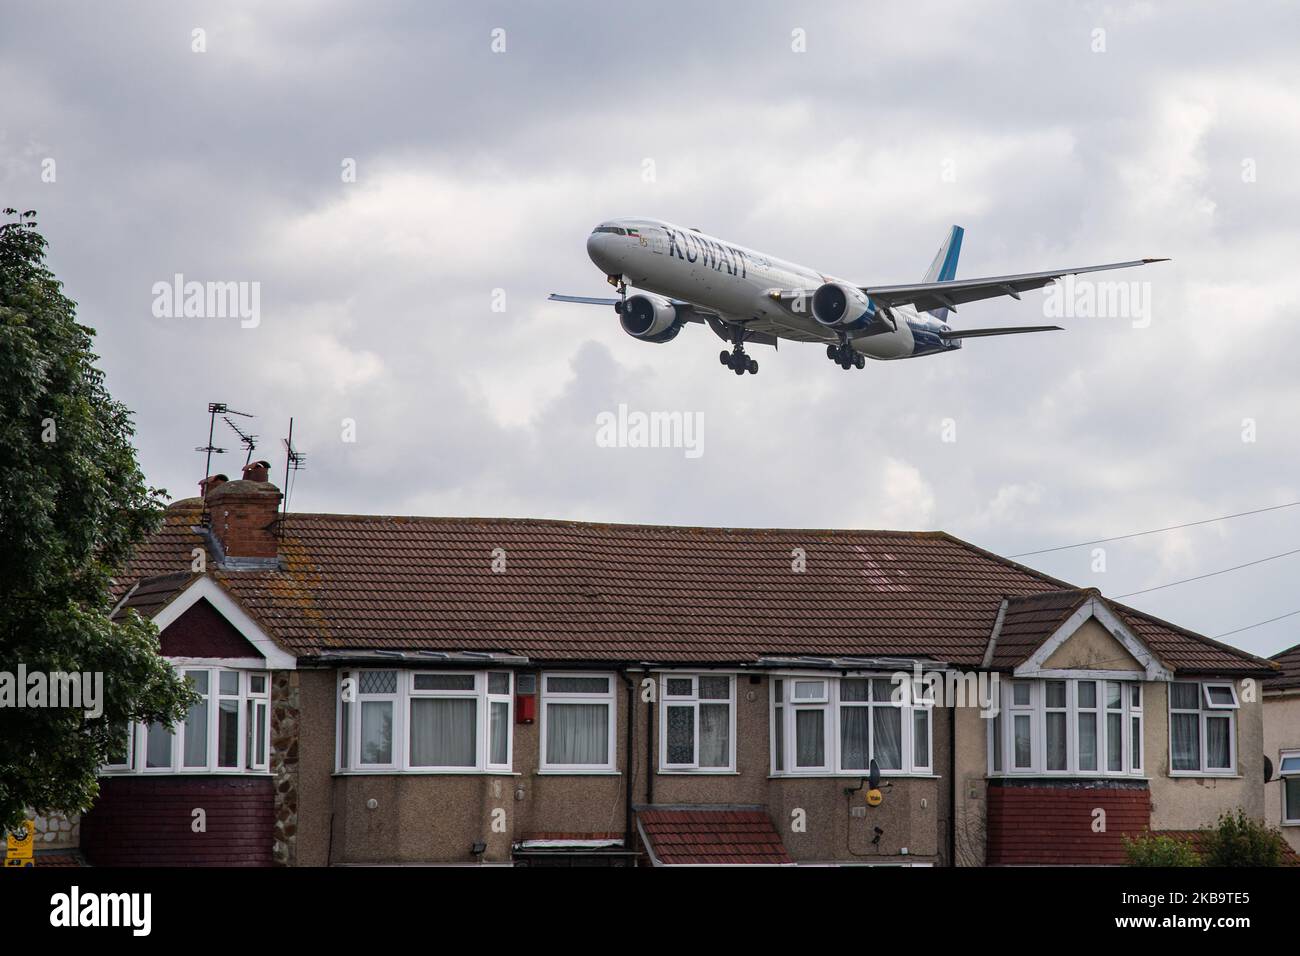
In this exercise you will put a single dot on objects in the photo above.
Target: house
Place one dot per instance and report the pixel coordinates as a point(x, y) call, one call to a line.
point(396, 690)
point(1282, 746)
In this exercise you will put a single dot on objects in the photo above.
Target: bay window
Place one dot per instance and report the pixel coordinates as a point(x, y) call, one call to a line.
point(1202, 728)
point(424, 721)
point(227, 730)
point(1289, 770)
point(697, 722)
point(1067, 727)
point(838, 724)
point(578, 717)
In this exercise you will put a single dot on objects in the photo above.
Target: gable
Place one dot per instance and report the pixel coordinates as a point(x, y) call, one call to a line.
point(1092, 647)
point(202, 631)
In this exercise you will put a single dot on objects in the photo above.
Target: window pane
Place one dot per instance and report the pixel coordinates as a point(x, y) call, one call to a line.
point(1291, 791)
point(1114, 699)
point(1220, 696)
point(809, 689)
point(855, 742)
point(577, 733)
point(810, 738)
point(121, 748)
point(499, 731)
point(345, 732)
point(444, 682)
point(1087, 741)
point(499, 683)
point(196, 735)
point(715, 688)
point(577, 685)
point(1185, 740)
point(997, 744)
point(1290, 764)
point(1183, 696)
point(1056, 693)
point(376, 731)
point(888, 724)
point(882, 689)
point(680, 738)
point(377, 682)
point(778, 728)
point(199, 679)
point(1056, 740)
point(920, 738)
point(1087, 693)
point(261, 735)
point(1020, 694)
point(228, 682)
point(1218, 752)
point(1135, 744)
point(1114, 745)
point(257, 683)
point(1135, 695)
point(158, 746)
point(679, 687)
point(228, 733)
point(852, 688)
point(444, 732)
point(778, 690)
point(1023, 741)
point(715, 733)
point(254, 734)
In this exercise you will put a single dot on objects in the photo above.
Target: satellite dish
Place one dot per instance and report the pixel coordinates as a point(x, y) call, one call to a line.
point(1268, 770)
point(873, 774)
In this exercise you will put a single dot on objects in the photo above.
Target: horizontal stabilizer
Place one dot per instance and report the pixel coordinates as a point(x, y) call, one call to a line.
point(1008, 330)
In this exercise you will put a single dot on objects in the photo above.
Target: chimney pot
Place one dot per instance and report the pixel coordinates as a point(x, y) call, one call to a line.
point(257, 471)
point(210, 483)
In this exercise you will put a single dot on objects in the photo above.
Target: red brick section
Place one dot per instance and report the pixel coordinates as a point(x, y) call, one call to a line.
point(577, 591)
point(695, 837)
point(201, 631)
point(243, 518)
point(1052, 823)
point(146, 821)
point(1289, 678)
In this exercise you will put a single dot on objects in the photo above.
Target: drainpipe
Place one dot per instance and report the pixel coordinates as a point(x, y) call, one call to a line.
point(650, 746)
point(952, 784)
point(631, 759)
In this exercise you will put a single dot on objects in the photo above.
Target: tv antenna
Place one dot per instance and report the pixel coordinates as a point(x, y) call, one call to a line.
point(294, 461)
point(215, 409)
point(248, 441)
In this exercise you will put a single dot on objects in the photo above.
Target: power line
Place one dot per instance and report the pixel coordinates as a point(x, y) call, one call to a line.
point(1139, 534)
point(1258, 624)
point(1201, 577)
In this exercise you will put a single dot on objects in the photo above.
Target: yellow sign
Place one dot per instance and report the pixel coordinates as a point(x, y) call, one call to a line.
point(20, 843)
point(875, 798)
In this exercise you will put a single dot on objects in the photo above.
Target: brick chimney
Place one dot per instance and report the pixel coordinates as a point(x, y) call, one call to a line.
point(243, 514)
point(211, 483)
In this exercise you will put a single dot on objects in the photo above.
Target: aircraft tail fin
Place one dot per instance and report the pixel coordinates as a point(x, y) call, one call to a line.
point(944, 266)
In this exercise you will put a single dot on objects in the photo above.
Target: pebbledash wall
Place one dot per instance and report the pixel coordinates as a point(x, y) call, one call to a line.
point(407, 817)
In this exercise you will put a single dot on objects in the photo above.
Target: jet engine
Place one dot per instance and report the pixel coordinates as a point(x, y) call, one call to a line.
point(840, 306)
point(650, 318)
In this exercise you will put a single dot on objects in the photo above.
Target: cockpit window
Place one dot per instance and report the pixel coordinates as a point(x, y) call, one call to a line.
point(614, 230)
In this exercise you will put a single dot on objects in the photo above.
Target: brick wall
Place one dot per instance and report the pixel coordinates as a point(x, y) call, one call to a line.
point(147, 821)
point(1054, 822)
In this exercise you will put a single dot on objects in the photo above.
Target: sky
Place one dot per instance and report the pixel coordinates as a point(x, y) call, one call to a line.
point(404, 183)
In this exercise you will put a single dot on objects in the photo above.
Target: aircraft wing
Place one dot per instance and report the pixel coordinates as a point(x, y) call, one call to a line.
point(690, 311)
point(929, 296)
point(1006, 330)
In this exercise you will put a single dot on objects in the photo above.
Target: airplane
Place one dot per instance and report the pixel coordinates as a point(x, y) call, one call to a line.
point(747, 297)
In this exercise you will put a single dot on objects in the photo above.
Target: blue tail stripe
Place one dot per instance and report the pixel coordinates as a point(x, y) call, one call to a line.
point(949, 270)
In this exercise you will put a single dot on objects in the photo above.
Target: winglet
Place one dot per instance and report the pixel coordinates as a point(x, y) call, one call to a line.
point(1166, 259)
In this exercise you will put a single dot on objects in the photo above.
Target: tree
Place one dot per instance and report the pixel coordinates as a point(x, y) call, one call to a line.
point(1148, 849)
point(1240, 841)
point(73, 506)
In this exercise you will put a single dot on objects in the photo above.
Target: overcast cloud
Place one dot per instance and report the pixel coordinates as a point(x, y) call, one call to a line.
point(479, 171)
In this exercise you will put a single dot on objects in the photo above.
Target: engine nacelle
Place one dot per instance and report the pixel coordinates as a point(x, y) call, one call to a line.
point(650, 318)
point(840, 306)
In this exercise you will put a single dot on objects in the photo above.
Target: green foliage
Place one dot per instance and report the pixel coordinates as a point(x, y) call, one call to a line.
point(1150, 849)
point(1240, 841)
point(73, 505)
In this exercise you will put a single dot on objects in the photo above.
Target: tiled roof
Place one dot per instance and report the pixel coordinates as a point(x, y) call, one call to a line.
point(694, 837)
point(578, 591)
point(150, 595)
point(1289, 661)
point(1028, 621)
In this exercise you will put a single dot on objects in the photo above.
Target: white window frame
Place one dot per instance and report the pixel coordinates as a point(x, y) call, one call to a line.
point(1036, 713)
point(829, 704)
point(693, 701)
point(549, 697)
point(1288, 778)
point(348, 720)
point(138, 731)
point(1207, 712)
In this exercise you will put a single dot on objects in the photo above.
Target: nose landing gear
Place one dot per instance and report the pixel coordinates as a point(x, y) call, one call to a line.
point(845, 356)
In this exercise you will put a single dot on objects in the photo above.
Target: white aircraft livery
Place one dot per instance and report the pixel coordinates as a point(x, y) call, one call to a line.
point(750, 297)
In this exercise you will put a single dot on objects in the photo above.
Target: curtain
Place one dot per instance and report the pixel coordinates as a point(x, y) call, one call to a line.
point(1291, 791)
point(1186, 740)
point(715, 735)
point(1056, 740)
point(809, 737)
point(920, 738)
point(577, 733)
point(1087, 740)
point(1020, 729)
point(854, 741)
point(1218, 752)
point(158, 746)
point(196, 736)
point(228, 732)
point(1114, 745)
point(499, 732)
point(889, 738)
point(681, 735)
point(443, 732)
point(376, 731)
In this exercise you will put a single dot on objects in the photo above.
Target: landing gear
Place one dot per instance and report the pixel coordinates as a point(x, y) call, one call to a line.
point(845, 356)
point(736, 359)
